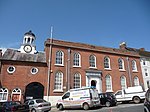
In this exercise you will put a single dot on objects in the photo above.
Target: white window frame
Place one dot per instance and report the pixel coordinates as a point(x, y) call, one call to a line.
point(59, 59)
point(58, 84)
point(76, 60)
point(108, 80)
point(144, 62)
point(121, 64)
point(8, 69)
point(16, 91)
point(107, 62)
point(34, 72)
point(123, 82)
point(136, 81)
point(92, 61)
point(146, 72)
point(3, 94)
point(134, 66)
point(77, 80)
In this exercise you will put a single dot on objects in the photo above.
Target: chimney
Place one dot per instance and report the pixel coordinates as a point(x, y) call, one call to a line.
point(142, 49)
point(123, 45)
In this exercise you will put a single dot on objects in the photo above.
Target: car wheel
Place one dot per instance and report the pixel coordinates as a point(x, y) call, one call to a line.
point(33, 110)
point(61, 107)
point(85, 106)
point(108, 104)
point(136, 99)
point(145, 109)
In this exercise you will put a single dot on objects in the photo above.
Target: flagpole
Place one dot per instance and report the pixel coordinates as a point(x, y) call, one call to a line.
point(49, 64)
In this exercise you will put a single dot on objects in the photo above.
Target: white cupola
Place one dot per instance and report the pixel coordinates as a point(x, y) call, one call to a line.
point(28, 45)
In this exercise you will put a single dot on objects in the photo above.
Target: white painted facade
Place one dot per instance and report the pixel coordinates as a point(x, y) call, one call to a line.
point(145, 66)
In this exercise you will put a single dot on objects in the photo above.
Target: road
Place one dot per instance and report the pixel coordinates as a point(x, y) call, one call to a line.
point(118, 108)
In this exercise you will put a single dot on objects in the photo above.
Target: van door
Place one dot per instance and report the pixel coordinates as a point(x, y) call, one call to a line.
point(119, 95)
point(66, 100)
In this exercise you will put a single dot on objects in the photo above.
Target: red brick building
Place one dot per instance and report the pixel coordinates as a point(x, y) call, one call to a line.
point(75, 65)
point(23, 72)
point(27, 73)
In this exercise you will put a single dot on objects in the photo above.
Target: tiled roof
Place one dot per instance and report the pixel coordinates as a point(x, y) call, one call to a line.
point(144, 53)
point(11, 54)
point(141, 52)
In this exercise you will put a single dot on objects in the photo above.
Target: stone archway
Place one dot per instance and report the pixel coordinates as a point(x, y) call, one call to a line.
point(34, 90)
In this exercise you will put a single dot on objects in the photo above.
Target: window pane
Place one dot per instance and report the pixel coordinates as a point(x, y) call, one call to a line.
point(134, 68)
point(59, 57)
point(136, 81)
point(77, 80)
point(106, 62)
point(76, 60)
point(123, 82)
point(120, 62)
point(58, 81)
point(92, 61)
point(108, 82)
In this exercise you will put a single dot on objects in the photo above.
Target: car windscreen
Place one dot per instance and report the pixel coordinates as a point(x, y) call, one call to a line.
point(40, 101)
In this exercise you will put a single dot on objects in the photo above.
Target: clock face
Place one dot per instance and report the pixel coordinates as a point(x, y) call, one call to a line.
point(27, 48)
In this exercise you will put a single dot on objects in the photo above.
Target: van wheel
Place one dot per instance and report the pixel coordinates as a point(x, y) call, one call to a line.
point(33, 110)
point(61, 107)
point(136, 99)
point(107, 104)
point(85, 106)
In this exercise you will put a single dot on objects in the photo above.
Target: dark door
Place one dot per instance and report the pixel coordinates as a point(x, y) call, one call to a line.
point(34, 90)
point(93, 83)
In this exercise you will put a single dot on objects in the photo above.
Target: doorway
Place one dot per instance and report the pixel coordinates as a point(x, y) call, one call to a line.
point(93, 83)
point(34, 90)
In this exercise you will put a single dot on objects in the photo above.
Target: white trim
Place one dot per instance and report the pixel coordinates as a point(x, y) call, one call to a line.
point(58, 64)
point(15, 91)
point(14, 69)
point(35, 71)
point(110, 83)
point(79, 59)
point(4, 91)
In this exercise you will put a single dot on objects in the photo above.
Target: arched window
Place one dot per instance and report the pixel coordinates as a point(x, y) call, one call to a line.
point(121, 64)
point(134, 67)
point(76, 60)
point(108, 83)
point(3, 94)
point(58, 86)
point(16, 94)
point(77, 80)
point(136, 81)
point(92, 61)
point(106, 63)
point(123, 82)
point(59, 58)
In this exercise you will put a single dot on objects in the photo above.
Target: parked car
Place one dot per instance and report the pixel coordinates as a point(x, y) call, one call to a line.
point(84, 97)
point(108, 99)
point(14, 106)
point(147, 101)
point(38, 105)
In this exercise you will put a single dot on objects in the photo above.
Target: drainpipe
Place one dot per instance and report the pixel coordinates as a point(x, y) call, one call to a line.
point(49, 66)
point(68, 69)
point(129, 72)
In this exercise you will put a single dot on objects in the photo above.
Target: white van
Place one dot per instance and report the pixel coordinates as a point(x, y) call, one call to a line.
point(79, 98)
point(135, 94)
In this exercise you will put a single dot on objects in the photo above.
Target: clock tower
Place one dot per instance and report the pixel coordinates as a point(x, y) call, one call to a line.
point(28, 43)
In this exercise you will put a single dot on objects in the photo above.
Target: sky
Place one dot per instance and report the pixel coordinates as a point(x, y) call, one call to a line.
point(97, 22)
